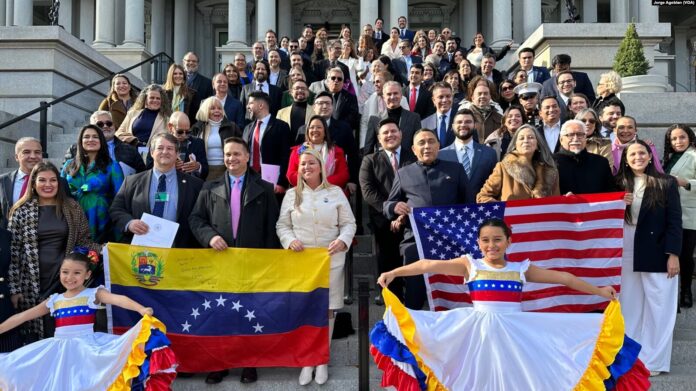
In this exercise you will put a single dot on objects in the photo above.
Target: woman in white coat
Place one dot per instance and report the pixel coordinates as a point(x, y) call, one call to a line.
point(680, 162)
point(317, 214)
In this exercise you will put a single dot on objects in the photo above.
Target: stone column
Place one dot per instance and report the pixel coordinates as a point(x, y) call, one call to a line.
point(236, 28)
point(87, 21)
point(531, 16)
point(265, 18)
point(285, 19)
point(648, 13)
point(3, 14)
point(157, 27)
point(502, 26)
point(104, 26)
point(181, 29)
point(65, 13)
point(396, 8)
point(24, 12)
point(589, 11)
point(470, 26)
point(369, 9)
point(135, 24)
point(682, 67)
point(9, 12)
point(619, 11)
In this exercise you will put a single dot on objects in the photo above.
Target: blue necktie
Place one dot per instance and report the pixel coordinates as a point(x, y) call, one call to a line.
point(158, 210)
point(466, 163)
point(443, 130)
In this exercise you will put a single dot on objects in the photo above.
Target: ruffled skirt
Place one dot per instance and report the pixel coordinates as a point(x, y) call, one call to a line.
point(94, 361)
point(471, 349)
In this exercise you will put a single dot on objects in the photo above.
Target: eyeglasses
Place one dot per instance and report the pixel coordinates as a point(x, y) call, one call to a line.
point(102, 124)
point(336, 78)
point(182, 131)
point(293, 46)
point(575, 135)
point(589, 121)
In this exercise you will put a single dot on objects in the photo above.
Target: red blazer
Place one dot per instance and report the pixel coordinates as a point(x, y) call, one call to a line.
point(340, 176)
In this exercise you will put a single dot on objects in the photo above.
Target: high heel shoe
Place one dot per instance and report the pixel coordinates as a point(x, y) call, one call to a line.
point(306, 375)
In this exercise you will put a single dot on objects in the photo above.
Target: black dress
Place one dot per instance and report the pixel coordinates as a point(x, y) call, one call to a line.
point(10, 340)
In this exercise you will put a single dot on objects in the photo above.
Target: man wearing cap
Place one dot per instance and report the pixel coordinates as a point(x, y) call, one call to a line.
point(528, 94)
point(561, 62)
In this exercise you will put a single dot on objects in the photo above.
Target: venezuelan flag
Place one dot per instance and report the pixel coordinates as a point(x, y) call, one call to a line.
point(235, 308)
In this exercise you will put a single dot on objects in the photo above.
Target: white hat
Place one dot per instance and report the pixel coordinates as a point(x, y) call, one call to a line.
point(528, 88)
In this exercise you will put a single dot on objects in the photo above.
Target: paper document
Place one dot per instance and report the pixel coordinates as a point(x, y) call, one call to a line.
point(270, 173)
point(161, 232)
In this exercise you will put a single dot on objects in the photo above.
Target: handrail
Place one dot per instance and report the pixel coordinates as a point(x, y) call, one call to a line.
point(43, 106)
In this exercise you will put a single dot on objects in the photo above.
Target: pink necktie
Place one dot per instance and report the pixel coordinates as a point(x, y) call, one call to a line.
point(395, 164)
point(235, 206)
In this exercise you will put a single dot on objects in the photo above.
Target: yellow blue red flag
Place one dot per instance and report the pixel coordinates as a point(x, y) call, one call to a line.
point(233, 308)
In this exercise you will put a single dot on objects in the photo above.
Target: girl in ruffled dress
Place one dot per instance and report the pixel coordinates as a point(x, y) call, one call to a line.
point(494, 345)
point(77, 358)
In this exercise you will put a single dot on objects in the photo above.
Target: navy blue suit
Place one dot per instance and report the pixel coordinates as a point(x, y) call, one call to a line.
point(481, 167)
point(440, 183)
point(582, 85)
point(407, 34)
point(234, 111)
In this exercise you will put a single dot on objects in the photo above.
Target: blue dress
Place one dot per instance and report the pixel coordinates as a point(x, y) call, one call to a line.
point(77, 358)
point(94, 190)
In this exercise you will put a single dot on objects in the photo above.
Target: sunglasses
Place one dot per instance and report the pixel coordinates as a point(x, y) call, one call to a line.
point(182, 131)
point(102, 124)
point(336, 78)
point(589, 121)
point(527, 96)
point(509, 88)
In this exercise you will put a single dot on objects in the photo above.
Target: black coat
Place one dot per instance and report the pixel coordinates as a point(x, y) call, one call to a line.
point(275, 146)
point(211, 215)
point(10, 340)
point(133, 199)
point(424, 101)
point(203, 88)
point(345, 108)
point(658, 232)
point(583, 173)
point(274, 94)
point(408, 124)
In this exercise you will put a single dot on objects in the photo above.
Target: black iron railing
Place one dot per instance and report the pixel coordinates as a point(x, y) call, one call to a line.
point(161, 62)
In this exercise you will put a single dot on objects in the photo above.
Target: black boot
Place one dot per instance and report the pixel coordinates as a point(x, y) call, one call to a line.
point(686, 299)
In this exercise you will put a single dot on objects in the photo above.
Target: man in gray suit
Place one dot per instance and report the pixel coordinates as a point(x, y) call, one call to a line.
point(428, 182)
point(28, 152)
point(478, 160)
point(441, 120)
point(408, 122)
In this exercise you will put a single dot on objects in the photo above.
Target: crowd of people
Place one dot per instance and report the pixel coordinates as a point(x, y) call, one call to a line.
point(279, 150)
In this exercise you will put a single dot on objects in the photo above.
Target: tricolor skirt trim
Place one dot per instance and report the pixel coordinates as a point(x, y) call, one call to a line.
point(612, 364)
point(151, 364)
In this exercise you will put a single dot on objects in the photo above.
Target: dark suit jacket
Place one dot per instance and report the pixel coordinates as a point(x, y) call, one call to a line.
point(658, 232)
point(378, 42)
point(497, 76)
point(541, 74)
point(408, 124)
point(6, 308)
point(282, 81)
point(482, 166)
point(274, 93)
point(431, 122)
point(408, 34)
point(133, 199)
point(424, 101)
point(345, 108)
point(275, 145)
point(234, 111)
point(203, 88)
point(399, 65)
point(342, 135)
point(211, 215)
point(582, 84)
point(376, 180)
point(7, 189)
point(441, 183)
point(553, 148)
point(125, 153)
point(321, 66)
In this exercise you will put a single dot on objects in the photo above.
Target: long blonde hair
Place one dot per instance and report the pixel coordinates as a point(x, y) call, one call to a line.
point(300, 182)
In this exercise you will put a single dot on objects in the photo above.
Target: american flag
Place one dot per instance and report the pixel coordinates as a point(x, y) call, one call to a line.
point(580, 234)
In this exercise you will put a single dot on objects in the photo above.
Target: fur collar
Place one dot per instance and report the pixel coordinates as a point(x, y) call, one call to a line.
point(538, 179)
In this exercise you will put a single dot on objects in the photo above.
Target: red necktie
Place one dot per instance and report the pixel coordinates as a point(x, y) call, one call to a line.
point(256, 149)
point(24, 186)
point(412, 100)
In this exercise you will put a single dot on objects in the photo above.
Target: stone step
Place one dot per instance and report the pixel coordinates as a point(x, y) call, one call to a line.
point(684, 347)
point(680, 378)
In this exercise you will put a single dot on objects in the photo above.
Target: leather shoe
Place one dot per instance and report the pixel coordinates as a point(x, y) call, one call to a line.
point(216, 377)
point(248, 375)
point(184, 375)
